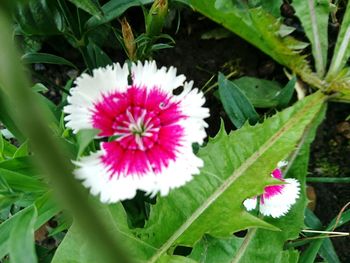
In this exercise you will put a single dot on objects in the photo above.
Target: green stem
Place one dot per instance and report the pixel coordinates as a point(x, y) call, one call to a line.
point(343, 180)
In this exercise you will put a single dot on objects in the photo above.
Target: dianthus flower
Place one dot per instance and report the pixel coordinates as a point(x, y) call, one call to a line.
point(276, 200)
point(146, 130)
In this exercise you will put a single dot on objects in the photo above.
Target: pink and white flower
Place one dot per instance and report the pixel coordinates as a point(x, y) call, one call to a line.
point(151, 130)
point(276, 200)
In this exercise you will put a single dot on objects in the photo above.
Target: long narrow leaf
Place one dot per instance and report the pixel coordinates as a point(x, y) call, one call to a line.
point(342, 50)
point(30, 58)
point(237, 106)
point(314, 15)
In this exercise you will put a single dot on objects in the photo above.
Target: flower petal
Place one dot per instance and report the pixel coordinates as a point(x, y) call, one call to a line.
point(89, 90)
point(279, 204)
point(149, 76)
point(250, 203)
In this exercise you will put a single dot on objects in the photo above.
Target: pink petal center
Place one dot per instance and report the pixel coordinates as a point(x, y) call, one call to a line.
point(273, 190)
point(146, 129)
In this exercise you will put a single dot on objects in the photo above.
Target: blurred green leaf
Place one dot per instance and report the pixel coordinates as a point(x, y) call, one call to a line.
point(9, 149)
point(84, 137)
point(2, 146)
point(89, 6)
point(314, 15)
point(113, 9)
point(21, 242)
point(39, 17)
point(236, 104)
point(31, 58)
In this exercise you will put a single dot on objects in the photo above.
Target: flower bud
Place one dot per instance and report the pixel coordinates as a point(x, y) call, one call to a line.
point(156, 16)
point(128, 38)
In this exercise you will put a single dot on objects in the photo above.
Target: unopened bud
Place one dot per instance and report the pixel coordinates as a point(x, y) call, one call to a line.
point(156, 17)
point(128, 38)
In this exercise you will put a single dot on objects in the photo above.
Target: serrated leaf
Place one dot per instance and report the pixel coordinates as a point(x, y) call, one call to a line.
point(262, 244)
point(314, 15)
point(30, 58)
point(233, 171)
point(341, 50)
point(236, 166)
point(237, 106)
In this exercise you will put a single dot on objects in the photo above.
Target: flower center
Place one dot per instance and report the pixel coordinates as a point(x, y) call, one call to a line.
point(137, 128)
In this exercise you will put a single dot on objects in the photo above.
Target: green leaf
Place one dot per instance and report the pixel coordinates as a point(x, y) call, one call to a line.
point(98, 56)
point(113, 9)
point(236, 104)
point(327, 251)
point(38, 17)
point(341, 50)
point(21, 242)
point(21, 182)
point(89, 6)
point(2, 146)
point(217, 194)
point(31, 58)
point(314, 15)
point(262, 244)
point(309, 255)
point(262, 93)
point(285, 95)
point(38, 87)
point(17, 236)
point(22, 151)
point(210, 249)
point(6, 118)
point(260, 28)
point(84, 138)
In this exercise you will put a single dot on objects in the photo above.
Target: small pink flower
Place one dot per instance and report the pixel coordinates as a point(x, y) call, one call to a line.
point(276, 200)
point(152, 129)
